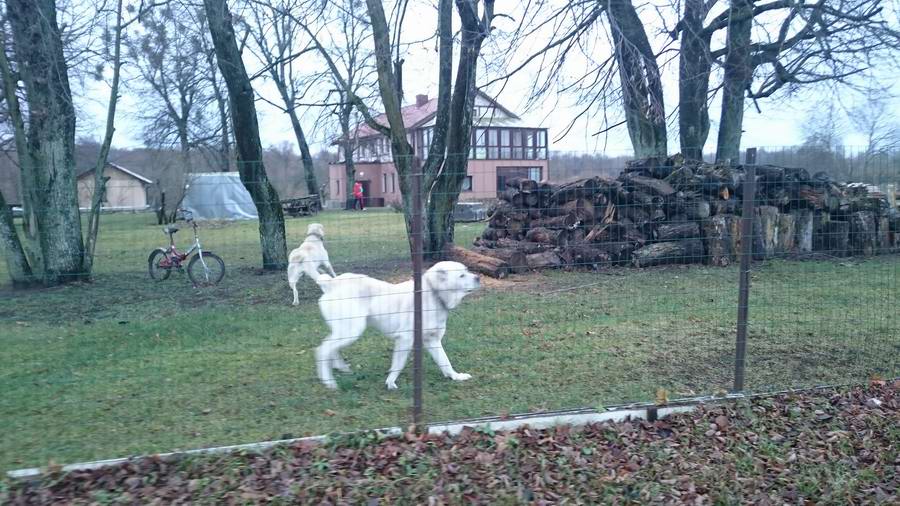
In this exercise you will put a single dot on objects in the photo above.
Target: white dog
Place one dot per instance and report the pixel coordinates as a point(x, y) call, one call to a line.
point(352, 301)
point(308, 258)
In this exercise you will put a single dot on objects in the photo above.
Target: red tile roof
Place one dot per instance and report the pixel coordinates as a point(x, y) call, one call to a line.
point(413, 115)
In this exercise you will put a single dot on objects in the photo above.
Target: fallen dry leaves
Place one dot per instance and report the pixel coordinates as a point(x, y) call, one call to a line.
point(829, 446)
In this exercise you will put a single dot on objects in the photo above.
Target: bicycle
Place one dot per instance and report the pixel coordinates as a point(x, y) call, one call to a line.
point(204, 268)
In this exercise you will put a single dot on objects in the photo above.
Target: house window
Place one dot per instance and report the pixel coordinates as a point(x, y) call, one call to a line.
point(504, 144)
point(337, 187)
point(534, 173)
point(493, 146)
point(467, 184)
point(393, 182)
point(479, 141)
point(541, 151)
point(384, 186)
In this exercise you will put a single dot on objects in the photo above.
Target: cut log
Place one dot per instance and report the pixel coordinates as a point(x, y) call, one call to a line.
point(525, 247)
point(514, 257)
point(649, 185)
point(672, 231)
point(492, 234)
point(516, 229)
point(542, 235)
point(583, 209)
point(619, 251)
point(674, 252)
point(528, 185)
point(803, 227)
point(547, 259)
point(765, 232)
point(832, 237)
point(698, 209)
point(583, 255)
point(717, 241)
point(862, 233)
point(883, 238)
point(490, 266)
point(532, 199)
point(568, 220)
point(507, 194)
point(786, 234)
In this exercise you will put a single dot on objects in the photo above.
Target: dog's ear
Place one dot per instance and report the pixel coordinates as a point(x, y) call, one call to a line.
point(436, 276)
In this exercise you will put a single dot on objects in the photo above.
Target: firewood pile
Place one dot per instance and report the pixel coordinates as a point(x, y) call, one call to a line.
point(667, 211)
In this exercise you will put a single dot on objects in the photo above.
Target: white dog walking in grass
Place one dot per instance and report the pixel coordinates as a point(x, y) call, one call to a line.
point(351, 302)
point(309, 258)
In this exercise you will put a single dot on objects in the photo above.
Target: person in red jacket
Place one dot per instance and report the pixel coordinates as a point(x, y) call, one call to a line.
point(358, 194)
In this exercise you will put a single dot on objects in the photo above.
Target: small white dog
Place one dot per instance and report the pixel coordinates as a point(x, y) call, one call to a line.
point(308, 258)
point(353, 301)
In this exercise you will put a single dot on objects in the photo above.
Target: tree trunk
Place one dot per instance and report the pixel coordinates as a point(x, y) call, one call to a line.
point(387, 88)
point(445, 190)
point(225, 138)
point(222, 106)
point(246, 132)
point(639, 78)
point(99, 180)
point(737, 75)
point(312, 186)
point(16, 262)
point(694, 65)
point(48, 164)
point(347, 147)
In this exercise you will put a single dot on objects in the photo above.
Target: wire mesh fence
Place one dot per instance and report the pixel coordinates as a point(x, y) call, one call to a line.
point(592, 292)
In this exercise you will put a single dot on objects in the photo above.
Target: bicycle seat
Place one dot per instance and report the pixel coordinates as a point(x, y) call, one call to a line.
point(170, 230)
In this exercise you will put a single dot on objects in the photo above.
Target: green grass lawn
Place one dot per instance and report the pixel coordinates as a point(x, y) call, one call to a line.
point(124, 365)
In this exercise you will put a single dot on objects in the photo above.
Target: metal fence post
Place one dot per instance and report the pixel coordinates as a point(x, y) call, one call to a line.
point(417, 258)
point(749, 194)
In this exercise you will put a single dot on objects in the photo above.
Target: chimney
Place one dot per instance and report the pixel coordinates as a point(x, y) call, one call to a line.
point(421, 100)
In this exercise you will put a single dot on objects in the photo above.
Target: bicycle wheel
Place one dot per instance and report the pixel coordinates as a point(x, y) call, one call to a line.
point(158, 272)
point(209, 274)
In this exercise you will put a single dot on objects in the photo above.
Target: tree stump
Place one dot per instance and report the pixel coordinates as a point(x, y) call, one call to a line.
point(717, 240)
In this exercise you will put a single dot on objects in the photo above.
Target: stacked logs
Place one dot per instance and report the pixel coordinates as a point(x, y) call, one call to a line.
point(667, 211)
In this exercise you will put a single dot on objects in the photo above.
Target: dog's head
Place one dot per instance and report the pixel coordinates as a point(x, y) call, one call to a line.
point(453, 280)
point(316, 229)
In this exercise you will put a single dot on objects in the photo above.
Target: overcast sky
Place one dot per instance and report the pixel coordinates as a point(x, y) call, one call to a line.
point(778, 124)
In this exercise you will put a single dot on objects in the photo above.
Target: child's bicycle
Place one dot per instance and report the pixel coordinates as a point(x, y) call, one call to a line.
point(203, 269)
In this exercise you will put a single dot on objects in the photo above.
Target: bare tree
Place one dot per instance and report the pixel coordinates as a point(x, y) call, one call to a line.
point(454, 119)
point(246, 131)
point(99, 179)
point(174, 80)
point(353, 59)
point(772, 47)
point(276, 35)
point(873, 119)
point(45, 142)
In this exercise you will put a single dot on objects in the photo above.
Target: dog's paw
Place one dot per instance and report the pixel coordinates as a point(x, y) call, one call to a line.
point(345, 368)
point(391, 385)
point(461, 376)
point(295, 303)
point(330, 384)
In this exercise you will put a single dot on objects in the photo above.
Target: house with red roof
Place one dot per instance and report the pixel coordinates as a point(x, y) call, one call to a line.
point(502, 147)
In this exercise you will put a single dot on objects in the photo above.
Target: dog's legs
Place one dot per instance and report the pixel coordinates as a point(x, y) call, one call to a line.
point(343, 334)
point(436, 350)
point(337, 362)
point(295, 272)
point(402, 346)
point(330, 269)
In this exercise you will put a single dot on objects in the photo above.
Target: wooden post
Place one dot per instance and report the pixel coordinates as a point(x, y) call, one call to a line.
point(417, 257)
point(740, 352)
